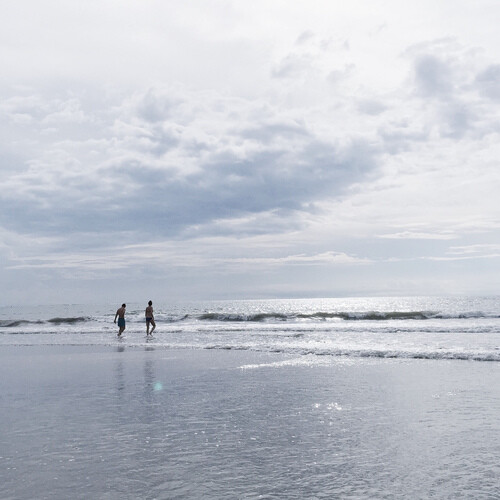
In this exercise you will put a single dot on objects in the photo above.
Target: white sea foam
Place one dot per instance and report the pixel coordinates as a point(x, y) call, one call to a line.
point(302, 361)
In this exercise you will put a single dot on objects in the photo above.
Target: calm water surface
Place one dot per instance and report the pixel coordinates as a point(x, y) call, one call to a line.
point(128, 422)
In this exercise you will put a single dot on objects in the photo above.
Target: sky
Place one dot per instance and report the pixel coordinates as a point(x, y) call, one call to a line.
point(217, 149)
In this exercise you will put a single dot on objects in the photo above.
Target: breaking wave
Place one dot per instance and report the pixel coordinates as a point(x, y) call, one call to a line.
point(59, 321)
point(6, 323)
point(346, 316)
point(243, 317)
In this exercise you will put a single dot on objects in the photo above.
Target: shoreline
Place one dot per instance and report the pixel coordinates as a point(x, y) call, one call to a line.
point(331, 357)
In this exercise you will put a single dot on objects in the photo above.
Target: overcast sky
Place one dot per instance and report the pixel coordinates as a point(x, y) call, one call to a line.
point(228, 149)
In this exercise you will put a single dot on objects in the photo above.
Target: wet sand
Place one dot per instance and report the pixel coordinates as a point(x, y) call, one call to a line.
point(100, 422)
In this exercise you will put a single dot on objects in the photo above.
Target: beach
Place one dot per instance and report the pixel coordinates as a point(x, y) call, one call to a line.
point(146, 422)
point(250, 250)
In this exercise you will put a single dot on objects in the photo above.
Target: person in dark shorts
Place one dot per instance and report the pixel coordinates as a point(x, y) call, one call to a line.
point(150, 319)
point(120, 314)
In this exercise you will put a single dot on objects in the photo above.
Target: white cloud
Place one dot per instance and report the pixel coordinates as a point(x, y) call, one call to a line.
point(337, 258)
point(481, 250)
point(410, 235)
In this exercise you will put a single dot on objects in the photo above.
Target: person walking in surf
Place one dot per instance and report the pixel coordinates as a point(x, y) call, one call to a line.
point(150, 319)
point(120, 314)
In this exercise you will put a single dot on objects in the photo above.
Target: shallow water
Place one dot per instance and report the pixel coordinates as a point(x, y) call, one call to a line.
point(466, 328)
point(147, 422)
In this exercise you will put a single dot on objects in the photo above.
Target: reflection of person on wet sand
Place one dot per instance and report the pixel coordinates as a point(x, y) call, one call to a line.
point(150, 319)
point(120, 314)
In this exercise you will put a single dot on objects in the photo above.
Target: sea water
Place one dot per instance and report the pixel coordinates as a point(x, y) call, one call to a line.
point(417, 327)
point(292, 399)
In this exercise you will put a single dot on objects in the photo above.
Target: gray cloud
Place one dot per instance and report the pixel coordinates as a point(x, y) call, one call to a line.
point(372, 107)
point(292, 66)
point(161, 173)
point(433, 76)
point(444, 78)
point(268, 133)
point(227, 186)
point(156, 107)
point(488, 81)
point(458, 119)
point(402, 137)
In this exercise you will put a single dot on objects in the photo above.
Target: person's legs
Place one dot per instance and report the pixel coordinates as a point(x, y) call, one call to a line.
point(154, 326)
point(121, 325)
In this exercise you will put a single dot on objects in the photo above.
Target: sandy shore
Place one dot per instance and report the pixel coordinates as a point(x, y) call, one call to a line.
point(98, 422)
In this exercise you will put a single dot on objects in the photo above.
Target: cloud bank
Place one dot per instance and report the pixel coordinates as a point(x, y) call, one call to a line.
point(228, 150)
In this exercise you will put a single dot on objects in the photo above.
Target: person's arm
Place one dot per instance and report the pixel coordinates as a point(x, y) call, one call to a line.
point(116, 316)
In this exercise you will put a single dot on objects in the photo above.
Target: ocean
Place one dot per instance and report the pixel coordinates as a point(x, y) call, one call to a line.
point(393, 398)
point(414, 327)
